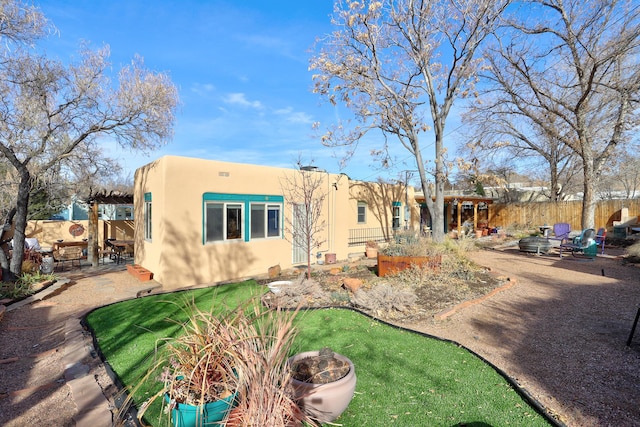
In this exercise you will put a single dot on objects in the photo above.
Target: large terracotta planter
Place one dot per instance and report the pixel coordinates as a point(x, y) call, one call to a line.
point(139, 272)
point(324, 402)
point(371, 252)
point(393, 264)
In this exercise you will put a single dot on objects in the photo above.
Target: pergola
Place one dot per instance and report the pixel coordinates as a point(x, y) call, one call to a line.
point(95, 200)
point(459, 201)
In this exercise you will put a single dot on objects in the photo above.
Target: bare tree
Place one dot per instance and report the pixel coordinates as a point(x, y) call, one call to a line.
point(399, 65)
point(621, 176)
point(304, 192)
point(51, 112)
point(570, 69)
point(497, 127)
point(379, 197)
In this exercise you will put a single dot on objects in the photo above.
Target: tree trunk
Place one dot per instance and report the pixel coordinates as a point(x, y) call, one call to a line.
point(438, 218)
point(589, 200)
point(7, 275)
point(22, 206)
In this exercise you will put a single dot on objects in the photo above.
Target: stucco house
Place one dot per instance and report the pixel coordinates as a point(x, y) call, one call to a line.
point(204, 221)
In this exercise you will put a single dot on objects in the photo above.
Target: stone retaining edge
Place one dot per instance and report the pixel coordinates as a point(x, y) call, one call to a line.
point(443, 315)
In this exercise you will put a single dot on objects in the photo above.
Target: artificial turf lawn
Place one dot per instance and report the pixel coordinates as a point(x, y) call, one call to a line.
point(404, 378)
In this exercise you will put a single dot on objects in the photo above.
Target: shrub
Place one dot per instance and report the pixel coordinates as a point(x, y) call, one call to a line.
point(412, 245)
point(23, 286)
point(633, 252)
point(386, 298)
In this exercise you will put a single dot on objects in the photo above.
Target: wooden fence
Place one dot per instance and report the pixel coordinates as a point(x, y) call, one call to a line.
point(537, 214)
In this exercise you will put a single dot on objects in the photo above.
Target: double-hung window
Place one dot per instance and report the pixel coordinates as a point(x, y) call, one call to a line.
point(223, 221)
point(362, 212)
point(265, 220)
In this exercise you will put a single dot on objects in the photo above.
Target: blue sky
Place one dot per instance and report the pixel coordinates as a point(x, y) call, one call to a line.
point(241, 68)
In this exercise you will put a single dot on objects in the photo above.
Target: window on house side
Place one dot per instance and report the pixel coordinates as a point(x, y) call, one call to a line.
point(265, 220)
point(223, 221)
point(362, 212)
point(273, 221)
point(147, 220)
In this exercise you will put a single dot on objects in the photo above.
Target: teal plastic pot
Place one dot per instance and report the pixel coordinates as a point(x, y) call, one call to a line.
point(207, 415)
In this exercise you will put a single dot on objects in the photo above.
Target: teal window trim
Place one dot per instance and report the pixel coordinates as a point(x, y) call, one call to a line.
point(246, 200)
point(147, 217)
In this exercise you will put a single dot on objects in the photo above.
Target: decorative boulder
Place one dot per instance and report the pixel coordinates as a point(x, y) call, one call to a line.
point(352, 284)
point(274, 271)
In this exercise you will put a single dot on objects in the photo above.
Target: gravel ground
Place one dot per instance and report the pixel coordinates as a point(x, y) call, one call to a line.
point(559, 331)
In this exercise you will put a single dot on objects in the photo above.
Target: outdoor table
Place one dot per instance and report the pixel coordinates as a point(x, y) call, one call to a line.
point(545, 230)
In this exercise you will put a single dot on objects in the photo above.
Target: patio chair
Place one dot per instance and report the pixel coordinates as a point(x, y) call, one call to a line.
point(561, 232)
point(583, 246)
point(68, 254)
point(601, 236)
point(110, 249)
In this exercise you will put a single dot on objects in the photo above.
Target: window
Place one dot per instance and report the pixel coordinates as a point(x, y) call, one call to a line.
point(265, 220)
point(362, 212)
point(241, 217)
point(223, 221)
point(147, 216)
point(396, 215)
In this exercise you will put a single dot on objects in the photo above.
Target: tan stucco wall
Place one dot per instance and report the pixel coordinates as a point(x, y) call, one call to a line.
point(379, 198)
point(176, 254)
point(49, 231)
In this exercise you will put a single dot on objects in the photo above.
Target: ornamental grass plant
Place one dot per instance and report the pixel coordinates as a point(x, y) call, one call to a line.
point(238, 353)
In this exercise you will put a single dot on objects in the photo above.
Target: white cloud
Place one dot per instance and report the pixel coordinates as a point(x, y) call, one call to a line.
point(241, 100)
point(294, 116)
point(203, 89)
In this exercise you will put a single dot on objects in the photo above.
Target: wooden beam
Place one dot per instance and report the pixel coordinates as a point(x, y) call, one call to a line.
point(92, 250)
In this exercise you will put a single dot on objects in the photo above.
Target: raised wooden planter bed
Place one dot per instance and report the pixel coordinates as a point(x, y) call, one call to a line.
point(140, 273)
point(392, 264)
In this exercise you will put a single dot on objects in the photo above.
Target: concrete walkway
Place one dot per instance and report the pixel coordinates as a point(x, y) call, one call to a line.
point(50, 321)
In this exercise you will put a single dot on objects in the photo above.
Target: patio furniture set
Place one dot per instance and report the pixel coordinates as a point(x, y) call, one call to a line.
point(585, 245)
point(62, 253)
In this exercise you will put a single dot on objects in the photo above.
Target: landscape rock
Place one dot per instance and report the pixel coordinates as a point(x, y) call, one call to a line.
point(352, 284)
point(274, 271)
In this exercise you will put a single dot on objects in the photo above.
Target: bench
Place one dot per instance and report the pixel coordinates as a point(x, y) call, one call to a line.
point(68, 254)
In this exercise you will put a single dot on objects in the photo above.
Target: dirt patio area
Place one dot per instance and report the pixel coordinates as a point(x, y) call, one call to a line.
point(559, 331)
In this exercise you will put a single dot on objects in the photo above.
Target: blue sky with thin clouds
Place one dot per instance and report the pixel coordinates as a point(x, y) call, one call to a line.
point(241, 68)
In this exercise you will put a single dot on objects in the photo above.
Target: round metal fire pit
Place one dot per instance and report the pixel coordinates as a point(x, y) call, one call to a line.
point(534, 244)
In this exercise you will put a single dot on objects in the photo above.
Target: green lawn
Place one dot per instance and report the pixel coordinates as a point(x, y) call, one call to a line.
point(404, 378)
